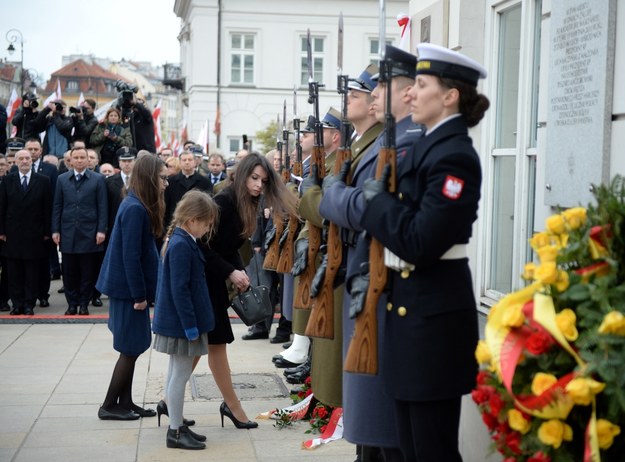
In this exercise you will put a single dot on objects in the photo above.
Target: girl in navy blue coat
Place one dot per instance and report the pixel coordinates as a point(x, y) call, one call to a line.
point(183, 314)
point(128, 277)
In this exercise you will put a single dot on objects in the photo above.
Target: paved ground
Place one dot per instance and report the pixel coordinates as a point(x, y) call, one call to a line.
point(54, 374)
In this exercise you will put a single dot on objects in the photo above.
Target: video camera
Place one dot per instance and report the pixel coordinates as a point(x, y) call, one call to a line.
point(32, 99)
point(126, 93)
point(75, 110)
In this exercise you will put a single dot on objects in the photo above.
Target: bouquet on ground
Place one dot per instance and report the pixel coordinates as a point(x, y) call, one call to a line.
point(552, 382)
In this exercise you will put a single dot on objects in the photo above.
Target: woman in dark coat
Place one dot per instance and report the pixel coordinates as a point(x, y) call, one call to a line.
point(128, 276)
point(238, 204)
point(431, 319)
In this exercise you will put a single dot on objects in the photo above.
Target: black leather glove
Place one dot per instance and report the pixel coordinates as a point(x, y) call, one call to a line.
point(329, 180)
point(311, 180)
point(373, 187)
point(301, 257)
point(269, 237)
point(284, 237)
point(358, 293)
point(320, 275)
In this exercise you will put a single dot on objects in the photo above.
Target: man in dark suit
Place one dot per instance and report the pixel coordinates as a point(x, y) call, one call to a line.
point(51, 267)
point(186, 180)
point(216, 167)
point(116, 184)
point(25, 207)
point(79, 225)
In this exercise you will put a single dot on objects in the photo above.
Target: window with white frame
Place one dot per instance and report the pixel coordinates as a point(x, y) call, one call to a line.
point(512, 183)
point(317, 47)
point(234, 145)
point(242, 58)
point(72, 85)
point(374, 52)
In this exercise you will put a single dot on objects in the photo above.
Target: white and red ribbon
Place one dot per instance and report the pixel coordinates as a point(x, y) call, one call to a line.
point(333, 431)
point(404, 23)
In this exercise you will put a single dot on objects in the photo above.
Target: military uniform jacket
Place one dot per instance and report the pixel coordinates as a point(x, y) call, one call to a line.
point(431, 322)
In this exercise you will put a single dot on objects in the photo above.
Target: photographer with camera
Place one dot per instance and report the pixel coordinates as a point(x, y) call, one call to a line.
point(58, 128)
point(136, 116)
point(24, 117)
point(109, 136)
point(85, 120)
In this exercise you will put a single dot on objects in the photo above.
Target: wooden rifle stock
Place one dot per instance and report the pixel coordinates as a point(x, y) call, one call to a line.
point(321, 321)
point(273, 252)
point(302, 298)
point(287, 256)
point(362, 354)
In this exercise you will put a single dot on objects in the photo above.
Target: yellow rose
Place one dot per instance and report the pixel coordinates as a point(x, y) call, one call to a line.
point(528, 271)
point(562, 283)
point(565, 320)
point(482, 353)
point(555, 224)
point(606, 431)
point(513, 317)
point(552, 433)
point(518, 422)
point(582, 390)
point(547, 273)
point(542, 382)
point(574, 217)
point(613, 323)
point(539, 240)
point(547, 253)
point(568, 433)
point(562, 241)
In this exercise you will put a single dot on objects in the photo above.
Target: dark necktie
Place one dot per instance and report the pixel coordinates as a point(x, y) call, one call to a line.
point(214, 179)
point(78, 177)
point(24, 182)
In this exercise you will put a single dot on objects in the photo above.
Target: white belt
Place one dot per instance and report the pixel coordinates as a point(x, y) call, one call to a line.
point(456, 252)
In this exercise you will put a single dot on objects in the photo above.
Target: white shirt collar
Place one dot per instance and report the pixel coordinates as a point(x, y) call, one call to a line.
point(446, 119)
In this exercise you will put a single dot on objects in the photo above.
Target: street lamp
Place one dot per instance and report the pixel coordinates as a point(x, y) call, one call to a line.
point(13, 35)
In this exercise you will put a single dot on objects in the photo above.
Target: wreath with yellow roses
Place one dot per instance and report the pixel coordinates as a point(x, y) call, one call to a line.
point(551, 387)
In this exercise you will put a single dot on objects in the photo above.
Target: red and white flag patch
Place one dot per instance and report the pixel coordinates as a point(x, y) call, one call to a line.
point(452, 188)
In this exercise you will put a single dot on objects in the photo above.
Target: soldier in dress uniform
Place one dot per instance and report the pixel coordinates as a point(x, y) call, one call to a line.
point(431, 319)
point(368, 416)
point(327, 354)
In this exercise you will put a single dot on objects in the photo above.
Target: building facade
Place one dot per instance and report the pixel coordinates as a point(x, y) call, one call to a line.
point(246, 57)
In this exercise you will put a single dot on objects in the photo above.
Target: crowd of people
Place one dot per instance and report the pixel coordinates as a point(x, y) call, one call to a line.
point(183, 235)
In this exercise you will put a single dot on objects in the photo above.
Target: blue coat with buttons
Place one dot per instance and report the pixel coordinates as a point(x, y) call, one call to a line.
point(431, 323)
point(183, 308)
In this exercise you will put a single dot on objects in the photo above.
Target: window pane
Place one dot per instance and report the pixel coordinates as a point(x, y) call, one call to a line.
point(249, 42)
point(236, 61)
point(248, 61)
point(236, 41)
point(508, 78)
point(318, 67)
point(236, 75)
point(318, 45)
point(304, 67)
point(535, 76)
point(248, 76)
point(373, 46)
point(304, 41)
point(234, 144)
point(503, 224)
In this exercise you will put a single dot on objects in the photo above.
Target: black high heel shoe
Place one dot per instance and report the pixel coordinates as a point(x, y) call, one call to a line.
point(161, 408)
point(224, 410)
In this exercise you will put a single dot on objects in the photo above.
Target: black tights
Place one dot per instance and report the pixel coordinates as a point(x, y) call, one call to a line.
point(120, 388)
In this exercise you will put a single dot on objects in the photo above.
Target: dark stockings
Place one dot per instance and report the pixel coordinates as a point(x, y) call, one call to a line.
point(120, 388)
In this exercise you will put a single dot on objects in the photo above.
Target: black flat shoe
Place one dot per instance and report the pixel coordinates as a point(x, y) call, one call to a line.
point(44, 303)
point(96, 302)
point(182, 439)
point(224, 410)
point(16, 311)
point(161, 408)
point(71, 311)
point(143, 412)
point(84, 311)
point(29, 312)
point(287, 345)
point(280, 339)
point(255, 335)
point(274, 358)
point(117, 413)
point(296, 370)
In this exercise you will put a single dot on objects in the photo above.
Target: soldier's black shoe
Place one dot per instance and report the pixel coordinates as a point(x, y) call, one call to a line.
point(83, 311)
point(16, 311)
point(5, 307)
point(96, 302)
point(71, 311)
point(44, 303)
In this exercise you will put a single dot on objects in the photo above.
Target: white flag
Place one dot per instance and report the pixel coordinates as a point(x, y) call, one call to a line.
point(58, 89)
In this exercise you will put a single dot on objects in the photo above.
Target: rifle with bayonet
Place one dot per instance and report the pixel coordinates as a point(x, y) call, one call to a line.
point(362, 354)
point(302, 298)
point(272, 256)
point(321, 321)
point(287, 240)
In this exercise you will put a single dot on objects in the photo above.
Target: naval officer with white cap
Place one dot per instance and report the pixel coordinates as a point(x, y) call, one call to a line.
point(431, 319)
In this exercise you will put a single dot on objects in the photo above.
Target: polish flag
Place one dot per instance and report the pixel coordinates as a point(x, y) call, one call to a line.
point(58, 89)
point(156, 116)
point(202, 138)
point(14, 104)
point(50, 99)
point(403, 20)
point(184, 135)
point(217, 129)
point(81, 99)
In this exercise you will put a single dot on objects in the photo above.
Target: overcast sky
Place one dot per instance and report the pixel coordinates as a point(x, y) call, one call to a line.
point(144, 30)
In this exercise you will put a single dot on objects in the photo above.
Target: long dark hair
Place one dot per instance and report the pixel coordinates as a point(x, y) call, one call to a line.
point(275, 193)
point(472, 105)
point(145, 182)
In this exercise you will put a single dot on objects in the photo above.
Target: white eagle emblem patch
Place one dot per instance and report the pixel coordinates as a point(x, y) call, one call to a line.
point(452, 188)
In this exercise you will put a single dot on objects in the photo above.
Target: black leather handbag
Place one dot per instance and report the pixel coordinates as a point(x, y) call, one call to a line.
point(253, 305)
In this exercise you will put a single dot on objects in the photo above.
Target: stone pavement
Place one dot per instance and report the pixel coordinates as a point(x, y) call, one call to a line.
point(54, 373)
